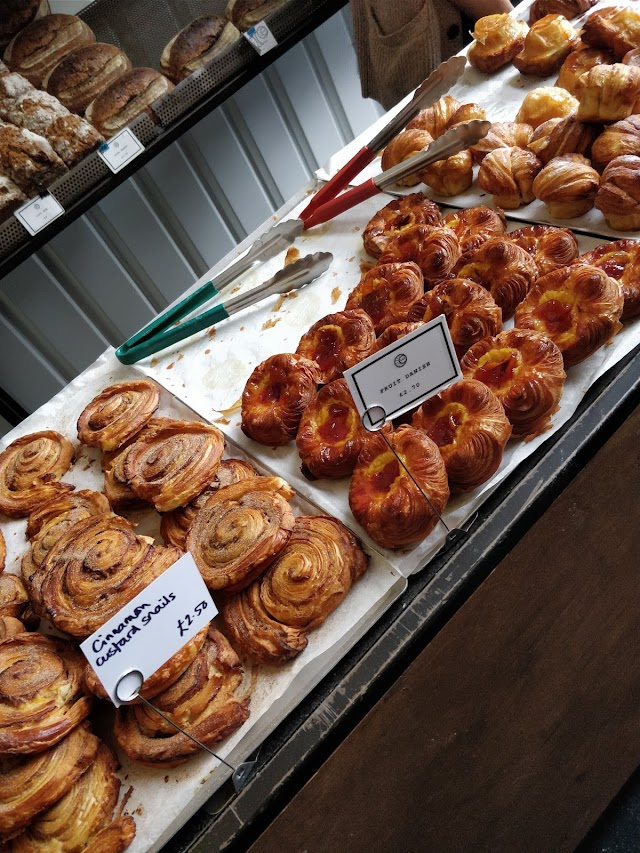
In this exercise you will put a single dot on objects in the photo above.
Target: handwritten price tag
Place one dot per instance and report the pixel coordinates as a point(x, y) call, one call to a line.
point(404, 374)
point(39, 212)
point(121, 149)
point(261, 38)
point(152, 627)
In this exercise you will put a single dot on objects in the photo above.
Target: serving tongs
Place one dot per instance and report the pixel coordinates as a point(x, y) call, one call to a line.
point(162, 332)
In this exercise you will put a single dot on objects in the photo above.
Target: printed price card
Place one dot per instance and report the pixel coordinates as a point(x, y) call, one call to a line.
point(152, 627)
point(261, 38)
point(39, 212)
point(404, 374)
point(121, 149)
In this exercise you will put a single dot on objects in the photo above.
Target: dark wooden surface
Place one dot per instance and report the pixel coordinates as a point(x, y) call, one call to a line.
point(520, 721)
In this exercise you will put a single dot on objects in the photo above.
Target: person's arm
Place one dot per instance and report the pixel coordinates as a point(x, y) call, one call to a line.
point(475, 9)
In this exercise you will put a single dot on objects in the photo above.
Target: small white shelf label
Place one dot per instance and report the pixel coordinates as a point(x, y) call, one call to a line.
point(121, 149)
point(39, 212)
point(261, 38)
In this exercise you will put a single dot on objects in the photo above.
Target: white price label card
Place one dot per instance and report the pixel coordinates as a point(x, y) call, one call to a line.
point(404, 374)
point(120, 149)
point(152, 627)
point(39, 212)
point(261, 38)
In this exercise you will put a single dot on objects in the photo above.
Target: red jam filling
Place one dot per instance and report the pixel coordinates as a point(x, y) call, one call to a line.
point(271, 394)
point(328, 349)
point(444, 430)
point(382, 480)
point(614, 265)
point(498, 373)
point(335, 426)
point(374, 303)
point(556, 316)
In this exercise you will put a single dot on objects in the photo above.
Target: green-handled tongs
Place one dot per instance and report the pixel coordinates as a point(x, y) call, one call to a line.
point(162, 332)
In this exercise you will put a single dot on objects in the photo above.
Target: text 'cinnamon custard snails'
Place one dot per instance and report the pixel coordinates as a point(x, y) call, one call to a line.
point(337, 342)
point(386, 293)
point(118, 413)
point(620, 260)
point(435, 250)
point(30, 471)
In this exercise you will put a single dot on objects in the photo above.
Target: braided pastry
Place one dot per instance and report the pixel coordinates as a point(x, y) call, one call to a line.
point(118, 413)
point(546, 46)
point(550, 247)
point(506, 134)
point(619, 195)
point(435, 250)
point(337, 342)
point(469, 425)
point(508, 174)
point(393, 218)
point(387, 292)
point(567, 185)
point(407, 143)
point(620, 260)
point(498, 38)
point(579, 61)
point(568, 8)
point(616, 28)
point(393, 333)
point(559, 136)
point(616, 140)
point(239, 530)
point(545, 102)
point(525, 371)
point(472, 227)
point(204, 701)
point(608, 92)
point(577, 307)
point(30, 468)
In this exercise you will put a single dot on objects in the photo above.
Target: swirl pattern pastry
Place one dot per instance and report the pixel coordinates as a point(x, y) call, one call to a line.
point(41, 692)
point(435, 250)
point(614, 27)
point(550, 247)
point(567, 185)
point(508, 174)
point(172, 464)
point(10, 626)
point(13, 596)
point(174, 525)
point(451, 176)
point(239, 530)
point(505, 270)
point(470, 311)
point(620, 260)
point(337, 342)
point(275, 396)
point(608, 92)
point(507, 134)
point(579, 61)
point(407, 143)
point(117, 490)
point(568, 8)
point(544, 103)
point(393, 333)
point(577, 307)
point(3, 551)
point(30, 468)
point(472, 227)
point(118, 413)
point(469, 425)
point(546, 46)
point(497, 39)
point(618, 197)
point(435, 119)
point(616, 140)
point(205, 701)
point(387, 292)
point(30, 784)
point(560, 136)
point(393, 218)
point(525, 371)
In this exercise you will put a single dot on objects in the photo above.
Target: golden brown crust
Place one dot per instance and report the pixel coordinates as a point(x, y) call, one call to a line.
point(393, 333)
point(498, 39)
point(246, 13)
point(85, 72)
point(508, 174)
point(199, 42)
point(614, 27)
point(608, 92)
point(617, 140)
point(3, 552)
point(127, 97)
point(472, 227)
point(567, 185)
point(10, 626)
point(204, 701)
point(631, 57)
point(386, 293)
point(435, 250)
point(544, 103)
point(239, 530)
point(578, 307)
point(470, 428)
point(620, 260)
point(568, 8)
point(550, 247)
point(395, 217)
point(470, 311)
point(435, 119)
point(505, 134)
point(546, 46)
point(579, 61)
point(13, 596)
point(30, 468)
point(560, 136)
point(619, 194)
point(525, 371)
point(118, 413)
point(337, 342)
point(17, 14)
point(407, 143)
point(451, 176)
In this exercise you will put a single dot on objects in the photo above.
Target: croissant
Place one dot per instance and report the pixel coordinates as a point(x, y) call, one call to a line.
point(560, 136)
point(407, 143)
point(579, 61)
point(470, 428)
point(435, 119)
point(275, 396)
point(239, 530)
point(331, 434)
point(616, 28)
point(470, 310)
point(568, 8)
point(498, 38)
point(47, 700)
point(118, 413)
point(401, 213)
point(451, 176)
point(578, 307)
point(620, 260)
point(544, 103)
point(608, 92)
point(387, 292)
point(13, 596)
point(206, 701)
point(435, 250)
point(466, 112)
point(618, 139)
point(30, 468)
point(619, 195)
point(393, 333)
point(567, 185)
point(508, 173)
point(472, 227)
point(525, 371)
point(546, 46)
point(338, 341)
point(550, 247)
point(505, 270)
point(506, 134)
point(174, 525)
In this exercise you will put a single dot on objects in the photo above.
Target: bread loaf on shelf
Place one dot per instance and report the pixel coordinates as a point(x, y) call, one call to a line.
point(85, 72)
point(126, 98)
point(12, 86)
point(244, 14)
point(36, 111)
point(11, 197)
point(72, 138)
point(16, 14)
point(28, 159)
point(195, 45)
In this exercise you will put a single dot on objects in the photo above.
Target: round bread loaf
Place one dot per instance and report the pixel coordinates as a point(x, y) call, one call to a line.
point(244, 14)
point(85, 72)
point(126, 98)
point(40, 46)
point(195, 45)
point(16, 14)
point(28, 159)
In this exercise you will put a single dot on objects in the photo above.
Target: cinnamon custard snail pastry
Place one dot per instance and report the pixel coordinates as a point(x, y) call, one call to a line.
point(470, 311)
point(471, 430)
point(30, 468)
point(393, 333)
point(550, 247)
point(608, 92)
point(13, 596)
point(386, 501)
point(337, 342)
point(170, 465)
point(619, 195)
point(544, 103)
point(497, 40)
point(616, 28)
point(560, 136)
point(174, 525)
point(206, 701)
point(472, 227)
point(505, 134)
point(579, 61)
point(387, 292)
point(239, 530)
point(546, 46)
point(10, 626)
point(577, 307)
point(525, 371)
point(567, 185)
point(616, 140)
point(435, 250)
point(393, 218)
point(451, 176)
point(406, 144)
point(3, 551)
point(508, 174)
point(568, 8)
point(42, 696)
point(505, 270)
point(118, 413)
point(620, 260)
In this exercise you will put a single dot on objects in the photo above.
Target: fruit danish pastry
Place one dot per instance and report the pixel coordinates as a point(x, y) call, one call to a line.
point(387, 292)
point(545, 102)
point(608, 92)
point(567, 185)
point(579, 61)
point(619, 195)
point(393, 333)
point(546, 46)
point(30, 468)
point(616, 28)
point(620, 260)
point(395, 217)
point(338, 341)
point(578, 307)
point(472, 227)
point(497, 39)
point(550, 247)
point(435, 250)
point(470, 428)
point(508, 174)
point(502, 134)
point(118, 413)
point(407, 143)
